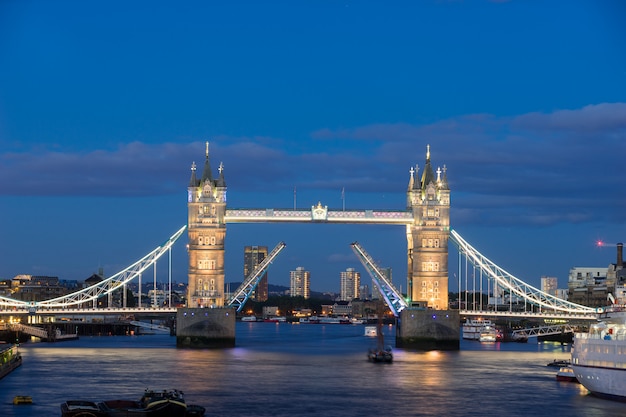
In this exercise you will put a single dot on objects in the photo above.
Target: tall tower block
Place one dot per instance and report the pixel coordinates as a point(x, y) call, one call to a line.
point(206, 203)
point(427, 237)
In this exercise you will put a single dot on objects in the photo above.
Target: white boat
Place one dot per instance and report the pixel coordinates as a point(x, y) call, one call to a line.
point(474, 327)
point(370, 331)
point(599, 356)
point(488, 334)
point(248, 318)
point(566, 374)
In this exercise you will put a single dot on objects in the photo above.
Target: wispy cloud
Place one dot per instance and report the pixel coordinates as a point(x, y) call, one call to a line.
point(535, 168)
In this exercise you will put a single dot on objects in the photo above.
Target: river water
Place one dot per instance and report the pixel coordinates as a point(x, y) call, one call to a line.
point(281, 369)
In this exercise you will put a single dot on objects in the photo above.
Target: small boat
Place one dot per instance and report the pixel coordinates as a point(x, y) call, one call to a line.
point(370, 331)
point(566, 374)
point(80, 408)
point(248, 318)
point(559, 363)
point(472, 329)
point(380, 353)
point(488, 334)
point(10, 359)
point(22, 399)
point(166, 403)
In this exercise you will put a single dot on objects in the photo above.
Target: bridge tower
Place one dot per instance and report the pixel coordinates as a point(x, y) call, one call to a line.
point(206, 203)
point(427, 236)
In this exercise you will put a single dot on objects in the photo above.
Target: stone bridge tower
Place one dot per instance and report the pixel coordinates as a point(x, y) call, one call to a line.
point(427, 237)
point(206, 203)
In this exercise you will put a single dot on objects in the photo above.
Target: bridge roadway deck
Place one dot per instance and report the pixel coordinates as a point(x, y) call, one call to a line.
point(318, 214)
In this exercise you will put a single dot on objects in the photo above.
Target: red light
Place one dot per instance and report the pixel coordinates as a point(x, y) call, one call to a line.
point(600, 243)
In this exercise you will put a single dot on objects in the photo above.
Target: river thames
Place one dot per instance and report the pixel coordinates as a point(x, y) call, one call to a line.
point(281, 369)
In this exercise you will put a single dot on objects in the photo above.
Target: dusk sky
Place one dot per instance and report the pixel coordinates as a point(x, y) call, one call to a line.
point(105, 105)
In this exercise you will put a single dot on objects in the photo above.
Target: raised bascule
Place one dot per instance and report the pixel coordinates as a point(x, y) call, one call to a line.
point(427, 222)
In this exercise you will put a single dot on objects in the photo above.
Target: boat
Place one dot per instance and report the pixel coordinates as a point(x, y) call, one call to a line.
point(558, 363)
point(598, 356)
point(166, 403)
point(22, 399)
point(325, 320)
point(381, 353)
point(81, 408)
point(10, 359)
point(472, 328)
point(488, 334)
point(566, 374)
point(248, 318)
point(370, 331)
point(279, 319)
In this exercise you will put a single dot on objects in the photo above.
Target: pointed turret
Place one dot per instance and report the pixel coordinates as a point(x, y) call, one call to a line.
point(206, 174)
point(411, 179)
point(193, 182)
point(221, 182)
point(444, 180)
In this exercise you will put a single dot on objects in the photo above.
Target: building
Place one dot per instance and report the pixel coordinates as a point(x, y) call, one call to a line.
point(427, 237)
point(350, 284)
point(206, 227)
point(300, 280)
point(596, 287)
point(36, 288)
point(252, 257)
point(549, 285)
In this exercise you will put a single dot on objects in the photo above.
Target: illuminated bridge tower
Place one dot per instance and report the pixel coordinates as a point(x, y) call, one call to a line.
point(427, 237)
point(206, 203)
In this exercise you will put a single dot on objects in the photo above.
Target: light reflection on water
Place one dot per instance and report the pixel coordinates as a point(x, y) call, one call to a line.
point(302, 370)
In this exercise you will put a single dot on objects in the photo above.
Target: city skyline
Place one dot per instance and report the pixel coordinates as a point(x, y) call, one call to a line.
point(102, 114)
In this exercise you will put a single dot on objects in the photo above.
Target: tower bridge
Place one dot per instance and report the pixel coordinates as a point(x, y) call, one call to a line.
point(426, 220)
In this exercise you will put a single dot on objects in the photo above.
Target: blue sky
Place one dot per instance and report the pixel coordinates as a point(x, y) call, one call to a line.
point(105, 105)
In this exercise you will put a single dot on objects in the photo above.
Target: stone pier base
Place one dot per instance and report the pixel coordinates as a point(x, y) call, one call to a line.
point(205, 327)
point(428, 330)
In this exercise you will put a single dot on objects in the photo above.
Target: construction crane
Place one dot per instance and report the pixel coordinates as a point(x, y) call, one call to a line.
point(392, 297)
point(241, 295)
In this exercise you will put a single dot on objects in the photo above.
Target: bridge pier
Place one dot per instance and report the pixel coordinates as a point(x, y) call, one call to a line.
point(428, 329)
point(205, 327)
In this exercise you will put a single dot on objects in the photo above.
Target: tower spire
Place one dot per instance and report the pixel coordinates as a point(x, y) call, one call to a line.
point(206, 174)
point(428, 175)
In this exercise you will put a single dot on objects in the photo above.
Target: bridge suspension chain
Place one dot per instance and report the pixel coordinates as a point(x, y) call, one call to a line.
point(513, 284)
point(103, 287)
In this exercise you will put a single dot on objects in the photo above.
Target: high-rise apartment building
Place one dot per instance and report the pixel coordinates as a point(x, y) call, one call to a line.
point(300, 282)
point(252, 257)
point(350, 284)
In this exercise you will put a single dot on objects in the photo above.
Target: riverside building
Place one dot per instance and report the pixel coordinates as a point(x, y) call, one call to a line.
point(350, 283)
point(252, 257)
point(300, 280)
